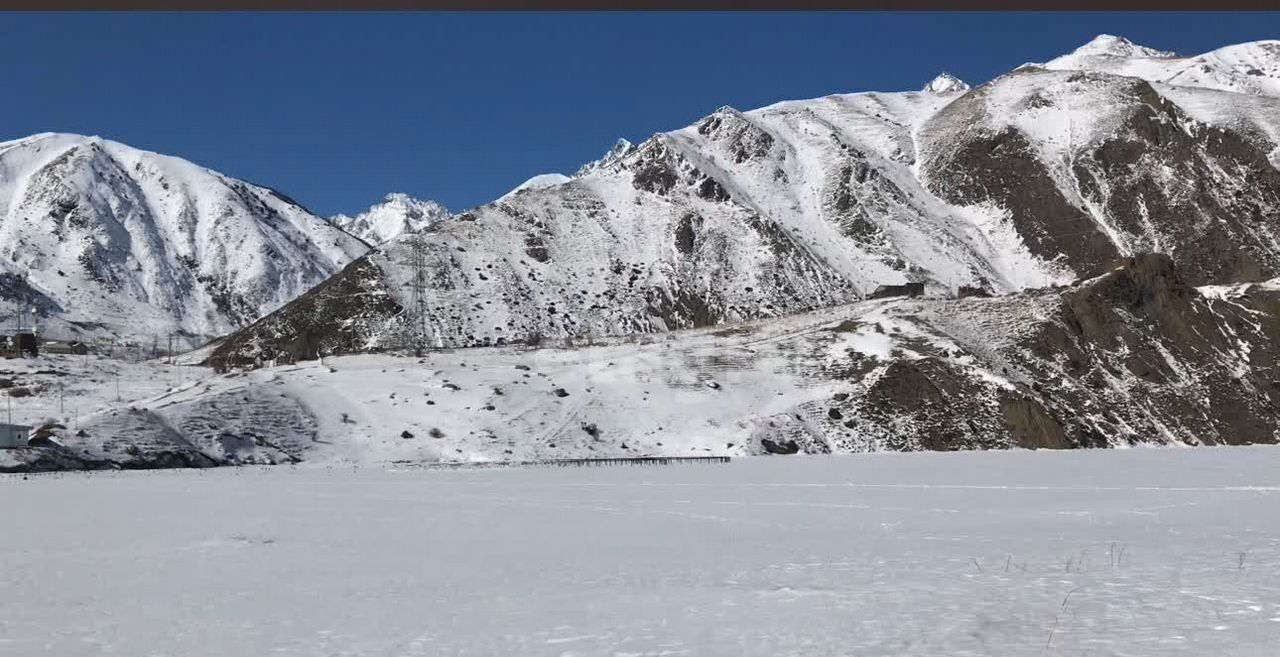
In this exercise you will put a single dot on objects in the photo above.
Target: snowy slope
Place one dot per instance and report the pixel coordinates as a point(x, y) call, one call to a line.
point(1248, 68)
point(1135, 356)
point(394, 216)
point(539, 181)
point(104, 239)
point(1037, 178)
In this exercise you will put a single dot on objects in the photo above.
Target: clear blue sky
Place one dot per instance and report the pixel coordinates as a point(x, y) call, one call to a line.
point(336, 110)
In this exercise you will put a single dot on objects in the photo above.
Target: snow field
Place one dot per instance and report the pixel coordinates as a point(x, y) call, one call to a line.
point(1136, 552)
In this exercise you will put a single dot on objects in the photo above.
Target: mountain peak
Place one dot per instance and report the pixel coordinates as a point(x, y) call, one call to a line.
point(1248, 68)
point(946, 83)
point(1110, 45)
point(409, 201)
point(620, 149)
point(397, 213)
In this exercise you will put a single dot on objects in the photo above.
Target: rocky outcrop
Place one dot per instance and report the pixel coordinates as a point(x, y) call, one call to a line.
point(1138, 174)
point(1134, 356)
point(1140, 354)
point(334, 317)
point(1213, 192)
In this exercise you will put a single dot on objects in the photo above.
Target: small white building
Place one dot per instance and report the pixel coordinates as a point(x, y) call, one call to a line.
point(14, 435)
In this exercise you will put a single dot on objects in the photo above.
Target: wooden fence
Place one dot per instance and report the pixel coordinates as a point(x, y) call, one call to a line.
point(567, 463)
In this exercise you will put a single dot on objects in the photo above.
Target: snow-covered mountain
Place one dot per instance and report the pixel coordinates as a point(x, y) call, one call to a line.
point(1099, 252)
point(107, 240)
point(1037, 178)
point(946, 83)
point(1250, 68)
point(395, 215)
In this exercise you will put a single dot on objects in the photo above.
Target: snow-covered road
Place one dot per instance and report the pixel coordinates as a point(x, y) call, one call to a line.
point(1139, 552)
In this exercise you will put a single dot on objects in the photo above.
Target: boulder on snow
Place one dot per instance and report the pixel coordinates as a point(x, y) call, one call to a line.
point(784, 447)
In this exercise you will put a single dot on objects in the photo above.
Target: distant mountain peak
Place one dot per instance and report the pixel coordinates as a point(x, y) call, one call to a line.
point(1249, 68)
point(396, 214)
point(399, 197)
point(946, 83)
point(622, 146)
point(1110, 45)
point(620, 149)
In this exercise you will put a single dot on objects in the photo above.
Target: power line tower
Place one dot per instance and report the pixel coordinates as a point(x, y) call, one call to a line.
point(418, 291)
point(22, 300)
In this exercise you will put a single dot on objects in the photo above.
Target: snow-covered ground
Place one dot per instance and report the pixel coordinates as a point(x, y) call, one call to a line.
point(697, 392)
point(1139, 552)
point(65, 388)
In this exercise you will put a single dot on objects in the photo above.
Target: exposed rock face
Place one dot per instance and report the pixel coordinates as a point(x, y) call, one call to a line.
point(1031, 426)
point(1134, 356)
point(330, 318)
point(1219, 225)
point(1135, 173)
point(1002, 169)
point(1037, 178)
point(1197, 362)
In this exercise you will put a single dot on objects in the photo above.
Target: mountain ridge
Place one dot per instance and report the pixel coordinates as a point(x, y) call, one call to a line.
point(1069, 259)
point(1036, 178)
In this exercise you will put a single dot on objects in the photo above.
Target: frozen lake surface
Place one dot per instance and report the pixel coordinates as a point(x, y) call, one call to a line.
point(1140, 552)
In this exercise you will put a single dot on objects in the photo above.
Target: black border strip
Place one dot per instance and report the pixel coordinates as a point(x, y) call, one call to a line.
point(637, 5)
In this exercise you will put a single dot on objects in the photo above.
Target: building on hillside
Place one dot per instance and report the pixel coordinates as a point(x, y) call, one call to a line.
point(16, 344)
point(972, 291)
point(13, 436)
point(73, 347)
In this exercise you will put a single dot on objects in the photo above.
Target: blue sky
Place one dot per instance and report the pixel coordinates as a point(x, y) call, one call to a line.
point(336, 110)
